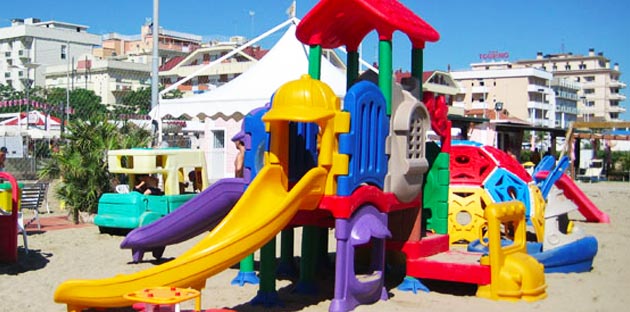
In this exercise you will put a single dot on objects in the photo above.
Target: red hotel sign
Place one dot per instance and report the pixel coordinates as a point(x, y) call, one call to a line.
point(493, 55)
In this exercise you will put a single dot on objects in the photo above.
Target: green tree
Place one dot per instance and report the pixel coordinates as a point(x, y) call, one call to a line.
point(6, 92)
point(83, 103)
point(139, 100)
point(82, 163)
point(173, 94)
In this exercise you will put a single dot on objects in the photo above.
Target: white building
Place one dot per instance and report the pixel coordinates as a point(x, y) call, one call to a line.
point(110, 79)
point(565, 101)
point(29, 46)
point(208, 78)
point(526, 93)
point(600, 97)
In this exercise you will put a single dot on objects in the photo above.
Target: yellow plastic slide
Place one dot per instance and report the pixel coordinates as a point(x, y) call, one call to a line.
point(262, 212)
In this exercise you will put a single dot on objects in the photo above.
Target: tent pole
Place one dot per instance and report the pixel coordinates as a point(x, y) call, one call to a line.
point(228, 55)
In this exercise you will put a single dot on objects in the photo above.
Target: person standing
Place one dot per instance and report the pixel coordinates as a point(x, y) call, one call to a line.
point(535, 158)
point(240, 159)
point(607, 159)
point(3, 157)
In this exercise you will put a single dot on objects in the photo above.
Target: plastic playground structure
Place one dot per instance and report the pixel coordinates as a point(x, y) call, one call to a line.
point(365, 170)
point(126, 209)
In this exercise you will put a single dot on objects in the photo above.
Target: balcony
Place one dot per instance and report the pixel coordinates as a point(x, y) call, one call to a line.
point(616, 109)
point(479, 89)
point(539, 122)
point(539, 105)
point(480, 105)
point(566, 109)
point(538, 89)
point(617, 84)
point(460, 104)
point(591, 84)
point(587, 110)
point(617, 97)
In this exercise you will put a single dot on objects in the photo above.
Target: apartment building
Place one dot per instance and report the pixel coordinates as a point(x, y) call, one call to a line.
point(109, 78)
point(209, 78)
point(526, 93)
point(565, 101)
point(29, 46)
point(139, 48)
point(600, 96)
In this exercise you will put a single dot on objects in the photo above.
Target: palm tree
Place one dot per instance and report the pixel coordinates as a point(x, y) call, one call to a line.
point(82, 161)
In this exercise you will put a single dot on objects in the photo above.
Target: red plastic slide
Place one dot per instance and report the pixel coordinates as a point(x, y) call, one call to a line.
point(573, 193)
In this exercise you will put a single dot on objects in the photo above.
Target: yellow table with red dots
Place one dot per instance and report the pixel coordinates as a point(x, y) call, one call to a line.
point(167, 296)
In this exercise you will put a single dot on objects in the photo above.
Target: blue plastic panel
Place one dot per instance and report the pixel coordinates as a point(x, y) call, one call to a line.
point(504, 186)
point(365, 143)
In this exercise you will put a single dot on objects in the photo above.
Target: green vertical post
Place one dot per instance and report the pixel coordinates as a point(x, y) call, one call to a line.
point(385, 71)
point(268, 267)
point(315, 61)
point(247, 264)
point(352, 72)
point(246, 273)
point(308, 263)
point(417, 67)
point(267, 294)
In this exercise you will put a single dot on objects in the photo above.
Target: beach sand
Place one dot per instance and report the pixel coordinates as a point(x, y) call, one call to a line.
point(57, 255)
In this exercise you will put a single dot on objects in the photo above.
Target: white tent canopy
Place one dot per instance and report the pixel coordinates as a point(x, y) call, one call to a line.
point(39, 126)
point(286, 61)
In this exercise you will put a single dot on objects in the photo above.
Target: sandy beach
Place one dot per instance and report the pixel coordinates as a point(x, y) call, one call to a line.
point(57, 255)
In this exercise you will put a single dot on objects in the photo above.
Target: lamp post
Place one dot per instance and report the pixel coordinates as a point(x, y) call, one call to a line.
point(27, 83)
point(498, 107)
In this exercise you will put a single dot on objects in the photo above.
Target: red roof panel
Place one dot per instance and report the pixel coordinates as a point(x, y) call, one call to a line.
point(334, 23)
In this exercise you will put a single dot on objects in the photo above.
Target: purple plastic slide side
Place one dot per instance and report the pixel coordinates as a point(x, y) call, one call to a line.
point(202, 213)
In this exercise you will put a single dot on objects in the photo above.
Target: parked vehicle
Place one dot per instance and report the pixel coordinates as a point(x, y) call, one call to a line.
point(128, 209)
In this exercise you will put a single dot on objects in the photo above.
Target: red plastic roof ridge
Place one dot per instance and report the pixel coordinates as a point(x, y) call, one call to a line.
point(333, 23)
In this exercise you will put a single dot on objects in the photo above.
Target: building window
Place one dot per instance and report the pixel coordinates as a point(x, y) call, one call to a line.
point(64, 52)
point(589, 78)
point(567, 67)
point(589, 91)
point(590, 103)
point(582, 66)
point(218, 141)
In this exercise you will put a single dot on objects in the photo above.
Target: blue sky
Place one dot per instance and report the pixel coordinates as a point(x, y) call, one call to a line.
point(467, 28)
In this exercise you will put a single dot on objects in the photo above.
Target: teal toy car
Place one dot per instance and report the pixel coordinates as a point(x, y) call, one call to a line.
point(128, 209)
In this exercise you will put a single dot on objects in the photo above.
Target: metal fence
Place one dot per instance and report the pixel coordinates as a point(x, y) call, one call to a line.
point(24, 160)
